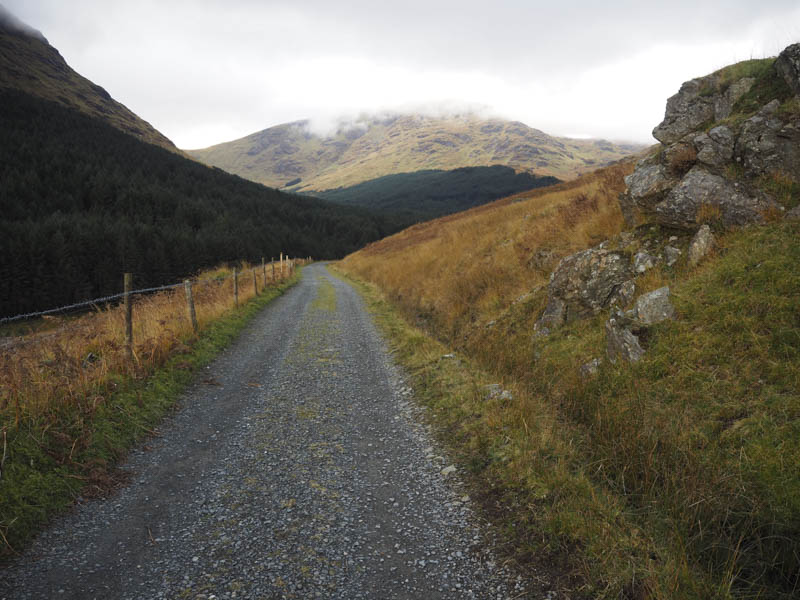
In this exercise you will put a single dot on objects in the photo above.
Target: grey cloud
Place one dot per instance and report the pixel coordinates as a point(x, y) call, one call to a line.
point(231, 64)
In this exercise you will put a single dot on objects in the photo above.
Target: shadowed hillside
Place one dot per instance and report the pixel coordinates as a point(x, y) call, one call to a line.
point(84, 202)
point(429, 194)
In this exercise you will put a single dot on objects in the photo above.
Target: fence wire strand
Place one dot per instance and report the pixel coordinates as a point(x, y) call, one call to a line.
point(85, 303)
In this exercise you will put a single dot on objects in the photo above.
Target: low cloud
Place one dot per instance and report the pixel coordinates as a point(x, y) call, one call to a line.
point(11, 23)
point(207, 75)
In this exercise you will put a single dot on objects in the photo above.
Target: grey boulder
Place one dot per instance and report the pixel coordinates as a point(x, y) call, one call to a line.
point(584, 283)
point(715, 148)
point(621, 343)
point(701, 245)
point(654, 307)
point(701, 190)
point(788, 65)
point(767, 144)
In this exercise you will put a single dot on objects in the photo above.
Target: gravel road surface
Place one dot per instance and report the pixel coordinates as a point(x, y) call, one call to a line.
point(297, 467)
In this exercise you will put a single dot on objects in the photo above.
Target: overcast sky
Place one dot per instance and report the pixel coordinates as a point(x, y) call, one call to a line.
point(208, 71)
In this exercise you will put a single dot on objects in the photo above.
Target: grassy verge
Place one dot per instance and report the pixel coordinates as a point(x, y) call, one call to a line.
point(675, 477)
point(52, 458)
point(484, 435)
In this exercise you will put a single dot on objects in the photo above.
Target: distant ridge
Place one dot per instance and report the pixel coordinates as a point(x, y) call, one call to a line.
point(30, 64)
point(293, 155)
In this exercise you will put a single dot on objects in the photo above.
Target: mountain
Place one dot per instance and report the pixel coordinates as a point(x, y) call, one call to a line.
point(30, 64)
point(89, 191)
point(292, 155)
point(424, 195)
point(83, 203)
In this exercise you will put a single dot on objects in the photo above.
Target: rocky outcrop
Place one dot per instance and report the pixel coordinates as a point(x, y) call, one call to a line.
point(585, 283)
point(603, 277)
point(768, 144)
point(706, 171)
point(697, 103)
point(788, 65)
point(702, 195)
point(713, 173)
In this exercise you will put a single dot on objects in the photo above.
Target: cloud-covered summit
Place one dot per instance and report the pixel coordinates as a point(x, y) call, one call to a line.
point(11, 24)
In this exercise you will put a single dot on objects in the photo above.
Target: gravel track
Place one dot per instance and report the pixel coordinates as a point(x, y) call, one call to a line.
point(297, 467)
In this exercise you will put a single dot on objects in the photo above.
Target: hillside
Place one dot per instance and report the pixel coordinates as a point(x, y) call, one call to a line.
point(84, 202)
point(292, 155)
point(424, 195)
point(626, 390)
point(30, 64)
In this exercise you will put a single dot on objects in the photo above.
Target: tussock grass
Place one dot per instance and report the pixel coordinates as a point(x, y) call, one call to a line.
point(675, 477)
point(71, 403)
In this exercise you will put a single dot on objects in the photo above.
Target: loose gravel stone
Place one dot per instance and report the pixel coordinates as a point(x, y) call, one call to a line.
point(305, 473)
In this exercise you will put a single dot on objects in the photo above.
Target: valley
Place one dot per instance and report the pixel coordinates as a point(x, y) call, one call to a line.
point(513, 365)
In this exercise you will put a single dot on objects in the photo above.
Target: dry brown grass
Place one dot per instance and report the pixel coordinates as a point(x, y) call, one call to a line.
point(710, 214)
point(682, 159)
point(76, 365)
point(664, 479)
point(465, 268)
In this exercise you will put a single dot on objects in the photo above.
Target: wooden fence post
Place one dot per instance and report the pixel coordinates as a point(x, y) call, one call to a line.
point(187, 286)
point(235, 288)
point(255, 283)
point(264, 269)
point(128, 286)
point(281, 265)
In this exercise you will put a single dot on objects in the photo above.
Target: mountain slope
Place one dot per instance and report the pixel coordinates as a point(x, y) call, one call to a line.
point(29, 63)
point(292, 155)
point(83, 203)
point(654, 455)
point(424, 195)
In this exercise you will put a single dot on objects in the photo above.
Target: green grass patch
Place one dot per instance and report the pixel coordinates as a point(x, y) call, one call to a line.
point(756, 67)
point(769, 85)
point(782, 187)
point(48, 466)
point(325, 299)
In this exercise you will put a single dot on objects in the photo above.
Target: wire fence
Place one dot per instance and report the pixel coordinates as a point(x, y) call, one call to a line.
point(85, 304)
point(105, 299)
